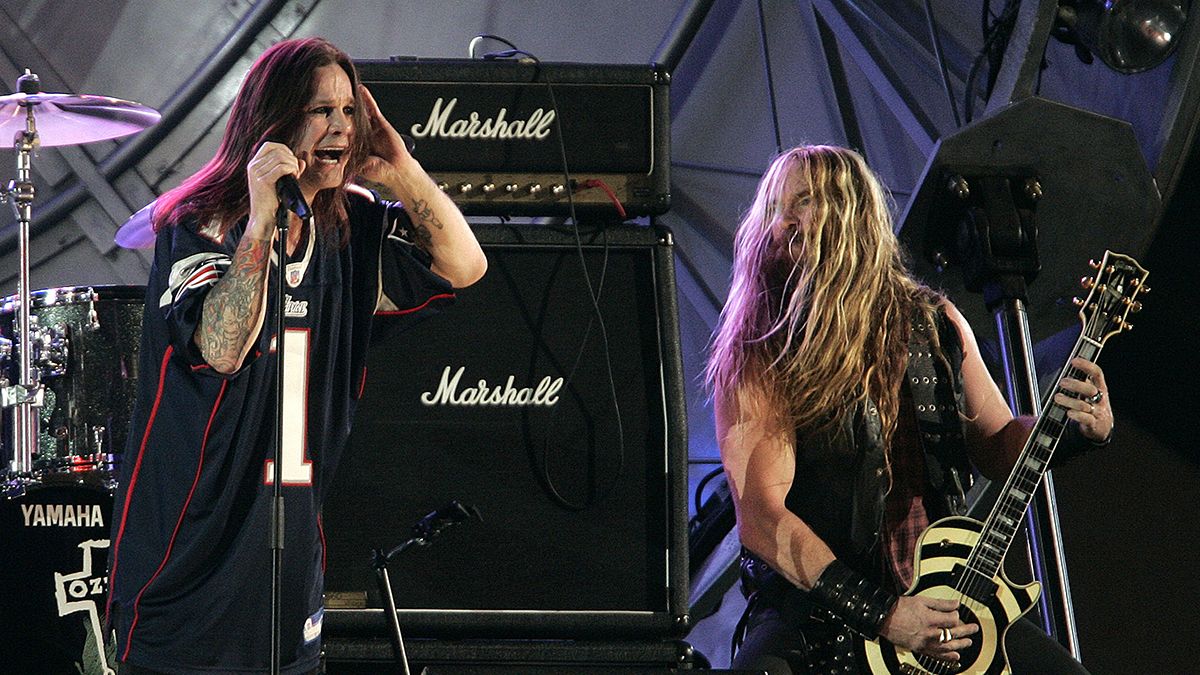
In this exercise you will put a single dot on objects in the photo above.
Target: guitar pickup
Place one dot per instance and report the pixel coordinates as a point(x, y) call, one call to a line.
point(982, 588)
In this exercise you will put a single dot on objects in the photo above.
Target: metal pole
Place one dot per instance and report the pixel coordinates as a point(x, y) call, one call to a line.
point(1024, 397)
point(21, 192)
point(679, 36)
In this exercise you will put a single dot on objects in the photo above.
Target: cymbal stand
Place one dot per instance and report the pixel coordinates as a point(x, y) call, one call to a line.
point(26, 395)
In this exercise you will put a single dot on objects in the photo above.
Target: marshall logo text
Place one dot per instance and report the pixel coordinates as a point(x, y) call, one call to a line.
point(439, 125)
point(483, 394)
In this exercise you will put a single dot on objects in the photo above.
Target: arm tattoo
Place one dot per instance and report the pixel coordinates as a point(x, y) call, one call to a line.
point(234, 306)
point(423, 217)
point(381, 189)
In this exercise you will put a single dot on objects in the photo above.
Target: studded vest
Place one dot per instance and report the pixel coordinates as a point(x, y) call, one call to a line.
point(841, 481)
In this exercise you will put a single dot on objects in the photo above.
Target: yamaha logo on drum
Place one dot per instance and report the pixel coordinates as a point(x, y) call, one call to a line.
point(483, 394)
point(62, 515)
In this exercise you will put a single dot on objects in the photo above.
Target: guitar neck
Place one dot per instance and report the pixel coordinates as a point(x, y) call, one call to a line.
point(1006, 516)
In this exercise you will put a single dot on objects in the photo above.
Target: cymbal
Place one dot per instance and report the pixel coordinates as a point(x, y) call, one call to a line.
point(138, 231)
point(71, 119)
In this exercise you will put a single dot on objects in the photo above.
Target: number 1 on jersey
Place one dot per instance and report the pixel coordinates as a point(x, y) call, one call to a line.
point(297, 469)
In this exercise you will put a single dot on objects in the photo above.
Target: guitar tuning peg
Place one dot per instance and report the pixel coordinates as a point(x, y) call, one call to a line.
point(1111, 269)
point(1135, 307)
point(1078, 302)
point(1126, 325)
point(1094, 263)
point(1087, 282)
point(1144, 289)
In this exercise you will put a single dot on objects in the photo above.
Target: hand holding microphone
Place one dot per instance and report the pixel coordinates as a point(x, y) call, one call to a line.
point(271, 174)
point(288, 190)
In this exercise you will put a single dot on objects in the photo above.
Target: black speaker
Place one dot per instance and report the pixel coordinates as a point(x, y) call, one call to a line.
point(550, 398)
point(518, 657)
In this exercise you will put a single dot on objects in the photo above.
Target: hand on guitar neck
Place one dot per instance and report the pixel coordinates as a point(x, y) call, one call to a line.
point(1090, 408)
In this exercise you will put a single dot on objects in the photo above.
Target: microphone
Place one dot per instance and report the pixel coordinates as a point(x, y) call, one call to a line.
point(451, 514)
point(288, 189)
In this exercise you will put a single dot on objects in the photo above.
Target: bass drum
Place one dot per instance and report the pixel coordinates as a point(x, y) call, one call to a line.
point(86, 354)
point(53, 566)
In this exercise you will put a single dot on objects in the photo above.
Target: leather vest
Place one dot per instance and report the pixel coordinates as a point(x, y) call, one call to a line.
point(841, 483)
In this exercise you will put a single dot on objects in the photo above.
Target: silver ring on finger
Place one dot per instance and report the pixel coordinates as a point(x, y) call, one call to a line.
point(1096, 398)
point(945, 635)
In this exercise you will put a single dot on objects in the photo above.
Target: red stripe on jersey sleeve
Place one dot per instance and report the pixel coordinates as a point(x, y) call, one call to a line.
point(423, 305)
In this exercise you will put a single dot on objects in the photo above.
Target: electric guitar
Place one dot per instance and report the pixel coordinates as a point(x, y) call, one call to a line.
point(961, 558)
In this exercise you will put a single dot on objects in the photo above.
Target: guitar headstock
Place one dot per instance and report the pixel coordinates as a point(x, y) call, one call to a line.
point(1112, 296)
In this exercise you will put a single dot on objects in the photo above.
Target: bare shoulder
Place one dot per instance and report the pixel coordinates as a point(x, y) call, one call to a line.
point(965, 333)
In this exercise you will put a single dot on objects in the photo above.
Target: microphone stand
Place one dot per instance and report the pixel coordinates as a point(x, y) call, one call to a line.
point(282, 221)
point(423, 533)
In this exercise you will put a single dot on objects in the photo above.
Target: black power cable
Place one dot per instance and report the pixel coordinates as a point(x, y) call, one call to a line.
point(594, 292)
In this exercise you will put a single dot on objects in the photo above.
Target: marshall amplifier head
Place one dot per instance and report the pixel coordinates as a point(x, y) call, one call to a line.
point(488, 132)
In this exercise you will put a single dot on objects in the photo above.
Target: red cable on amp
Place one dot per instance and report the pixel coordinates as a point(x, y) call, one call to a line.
point(597, 183)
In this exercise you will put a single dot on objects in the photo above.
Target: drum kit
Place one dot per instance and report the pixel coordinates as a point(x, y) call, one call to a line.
point(68, 373)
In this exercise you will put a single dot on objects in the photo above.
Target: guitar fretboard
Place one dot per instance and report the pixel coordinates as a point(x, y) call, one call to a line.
point(1005, 519)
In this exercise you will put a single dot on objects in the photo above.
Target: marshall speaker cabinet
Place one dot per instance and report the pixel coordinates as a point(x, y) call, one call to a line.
point(488, 132)
point(552, 402)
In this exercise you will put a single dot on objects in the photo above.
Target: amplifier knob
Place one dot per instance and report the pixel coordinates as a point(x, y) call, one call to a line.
point(535, 188)
point(464, 188)
point(511, 187)
point(443, 186)
point(557, 189)
point(488, 188)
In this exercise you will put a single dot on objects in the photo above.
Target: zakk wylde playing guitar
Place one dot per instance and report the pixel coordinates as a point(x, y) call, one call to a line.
point(852, 405)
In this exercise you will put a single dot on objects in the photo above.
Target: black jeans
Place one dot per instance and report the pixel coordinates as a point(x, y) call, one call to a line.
point(770, 640)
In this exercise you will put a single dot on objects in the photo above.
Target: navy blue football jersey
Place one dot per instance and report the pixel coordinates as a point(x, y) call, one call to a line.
point(190, 570)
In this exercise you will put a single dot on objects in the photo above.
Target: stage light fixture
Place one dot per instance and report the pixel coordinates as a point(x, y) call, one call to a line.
point(1129, 36)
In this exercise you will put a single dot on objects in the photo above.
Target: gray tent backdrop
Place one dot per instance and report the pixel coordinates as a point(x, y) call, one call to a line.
point(857, 72)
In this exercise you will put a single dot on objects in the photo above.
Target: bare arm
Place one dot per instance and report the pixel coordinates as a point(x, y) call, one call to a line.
point(994, 436)
point(235, 307)
point(759, 460)
point(760, 464)
point(439, 227)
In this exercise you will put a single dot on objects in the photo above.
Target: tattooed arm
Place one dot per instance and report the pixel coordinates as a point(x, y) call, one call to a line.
point(438, 225)
point(236, 306)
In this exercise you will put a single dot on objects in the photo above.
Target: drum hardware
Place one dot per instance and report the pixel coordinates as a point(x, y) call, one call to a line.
point(66, 119)
point(50, 349)
point(85, 355)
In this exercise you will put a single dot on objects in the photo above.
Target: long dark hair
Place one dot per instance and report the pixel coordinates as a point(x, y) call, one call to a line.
point(269, 106)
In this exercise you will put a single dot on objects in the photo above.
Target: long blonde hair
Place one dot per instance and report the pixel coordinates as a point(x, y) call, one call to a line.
point(819, 315)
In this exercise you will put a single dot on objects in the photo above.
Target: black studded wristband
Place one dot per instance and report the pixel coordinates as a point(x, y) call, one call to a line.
point(853, 598)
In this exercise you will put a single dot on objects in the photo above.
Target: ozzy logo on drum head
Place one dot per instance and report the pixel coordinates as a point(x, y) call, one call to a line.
point(53, 574)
